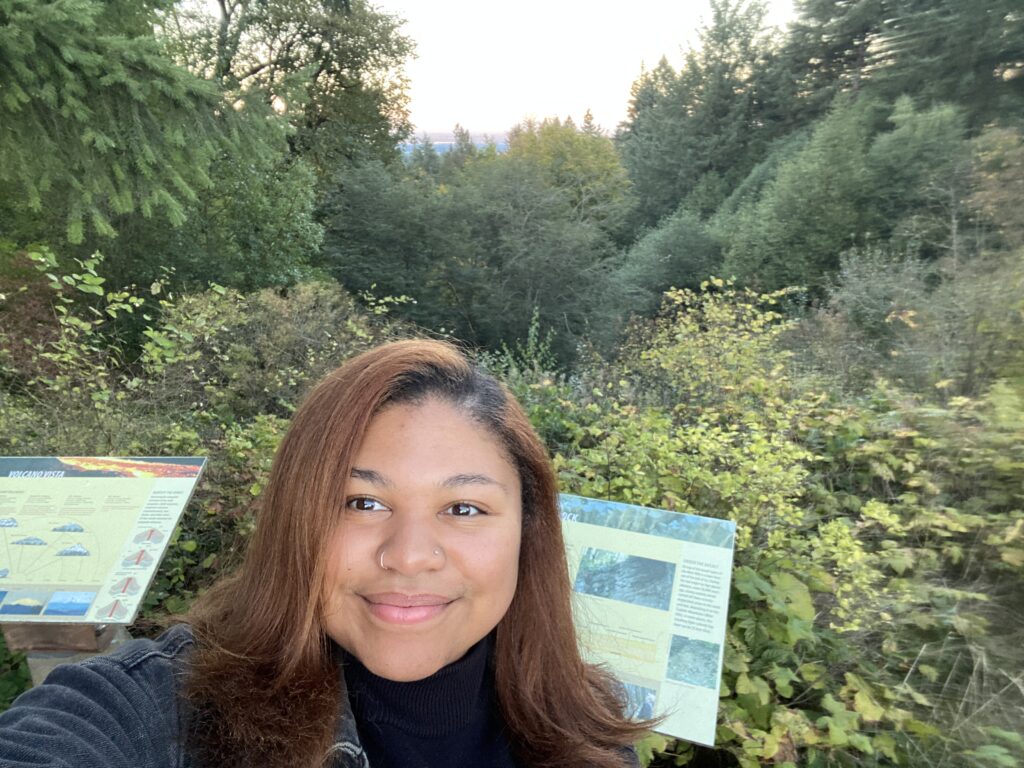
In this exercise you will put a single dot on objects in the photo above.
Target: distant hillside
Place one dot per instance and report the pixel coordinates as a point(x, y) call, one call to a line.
point(445, 140)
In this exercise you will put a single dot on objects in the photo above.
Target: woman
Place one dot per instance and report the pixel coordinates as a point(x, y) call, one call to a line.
point(404, 601)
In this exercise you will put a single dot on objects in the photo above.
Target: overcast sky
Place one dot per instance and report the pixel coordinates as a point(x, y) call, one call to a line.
point(488, 65)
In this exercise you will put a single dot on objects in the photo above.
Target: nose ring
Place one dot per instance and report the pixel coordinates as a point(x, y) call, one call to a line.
point(437, 551)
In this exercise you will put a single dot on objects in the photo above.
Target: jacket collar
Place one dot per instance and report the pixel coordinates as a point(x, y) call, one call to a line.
point(347, 751)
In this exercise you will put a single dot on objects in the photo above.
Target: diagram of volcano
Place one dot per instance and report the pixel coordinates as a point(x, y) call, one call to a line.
point(29, 541)
point(75, 550)
point(114, 610)
point(139, 559)
point(126, 586)
point(149, 536)
point(69, 528)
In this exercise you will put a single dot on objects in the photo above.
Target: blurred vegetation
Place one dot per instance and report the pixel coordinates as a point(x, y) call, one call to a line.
point(788, 290)
point(875, 617)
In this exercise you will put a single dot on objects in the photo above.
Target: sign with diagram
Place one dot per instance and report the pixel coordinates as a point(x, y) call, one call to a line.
point(81, 537)
point(651, 599)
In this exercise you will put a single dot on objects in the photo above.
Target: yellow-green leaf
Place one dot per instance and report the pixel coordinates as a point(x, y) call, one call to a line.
point(649, 745)
point(756, 686)
point(1014, 556)
point(868, 708)
point(796, 594)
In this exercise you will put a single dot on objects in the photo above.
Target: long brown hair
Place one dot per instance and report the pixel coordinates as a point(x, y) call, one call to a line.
point(264, 685)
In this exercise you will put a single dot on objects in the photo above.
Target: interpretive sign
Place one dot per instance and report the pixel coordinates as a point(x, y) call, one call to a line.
point(81, 537)
point(651, 601)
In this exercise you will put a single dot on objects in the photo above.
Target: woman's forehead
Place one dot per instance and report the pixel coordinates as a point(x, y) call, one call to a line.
point(432, 438)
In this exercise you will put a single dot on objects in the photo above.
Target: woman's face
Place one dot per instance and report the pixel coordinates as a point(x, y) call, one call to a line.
point(424, 560)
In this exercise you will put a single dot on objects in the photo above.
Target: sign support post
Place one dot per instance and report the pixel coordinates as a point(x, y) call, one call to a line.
point(47, 645)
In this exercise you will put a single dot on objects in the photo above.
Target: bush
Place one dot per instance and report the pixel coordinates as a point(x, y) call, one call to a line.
point(875, 555)
point(947, 327)
point(876, 602)
point(217, 375)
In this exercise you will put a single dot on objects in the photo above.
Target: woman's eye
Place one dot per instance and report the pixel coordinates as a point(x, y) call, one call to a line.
point(461, 509)
point(364, 504)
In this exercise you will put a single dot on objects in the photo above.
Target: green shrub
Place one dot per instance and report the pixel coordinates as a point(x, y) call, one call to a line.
point(875, 611)
point(217, 375)
point(879, 541)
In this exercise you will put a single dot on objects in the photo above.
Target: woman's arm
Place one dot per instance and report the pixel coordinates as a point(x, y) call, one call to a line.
point(118, 711)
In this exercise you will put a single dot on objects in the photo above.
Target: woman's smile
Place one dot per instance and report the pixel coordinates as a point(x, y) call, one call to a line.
point(398, 608)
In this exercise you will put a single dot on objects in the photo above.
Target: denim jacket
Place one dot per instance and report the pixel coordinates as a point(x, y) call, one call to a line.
point(122, 710)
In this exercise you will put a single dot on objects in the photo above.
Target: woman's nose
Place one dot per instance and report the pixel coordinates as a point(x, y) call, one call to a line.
point(412, 546)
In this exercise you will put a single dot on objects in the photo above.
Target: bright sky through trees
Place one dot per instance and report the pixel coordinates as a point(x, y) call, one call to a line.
point(487, 66)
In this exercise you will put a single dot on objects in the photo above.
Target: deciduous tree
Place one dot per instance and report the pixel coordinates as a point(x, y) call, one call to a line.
point(581, 163)
point(334, 69)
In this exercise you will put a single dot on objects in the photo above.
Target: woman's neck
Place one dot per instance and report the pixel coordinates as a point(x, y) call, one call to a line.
point(434, 706)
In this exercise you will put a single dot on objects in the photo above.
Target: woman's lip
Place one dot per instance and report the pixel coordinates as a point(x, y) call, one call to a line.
point(397, 608)
point(402, 600)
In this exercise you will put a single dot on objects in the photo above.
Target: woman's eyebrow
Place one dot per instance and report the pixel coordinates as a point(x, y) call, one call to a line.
point(471, 479)
point(371, 476)
point(467, 478)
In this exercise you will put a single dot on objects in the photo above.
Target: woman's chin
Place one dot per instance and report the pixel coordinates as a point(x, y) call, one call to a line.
point(404, 670)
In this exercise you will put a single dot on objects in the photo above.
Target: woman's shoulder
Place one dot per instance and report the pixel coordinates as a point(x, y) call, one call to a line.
point(118, 709)
point(155, 666)
point(171, 648)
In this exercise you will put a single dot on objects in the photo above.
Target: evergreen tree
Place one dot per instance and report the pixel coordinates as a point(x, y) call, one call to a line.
point(590, 126)
point(828, 46)
point(524, 250)
point(424, 159)
point(858, 181)
point(817, 206)
point(967, 53)
point(692, 136)
point(644, 140)
point(463, 150)
point(680, 253)
point(96, 121)
point(253, 227)
point(385, 235)
point(920, 179)
point(998, 185)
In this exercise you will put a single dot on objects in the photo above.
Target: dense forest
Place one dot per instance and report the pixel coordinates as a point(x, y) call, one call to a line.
point(787, 290)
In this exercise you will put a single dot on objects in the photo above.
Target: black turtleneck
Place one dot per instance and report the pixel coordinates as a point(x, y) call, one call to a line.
point(447, 720)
